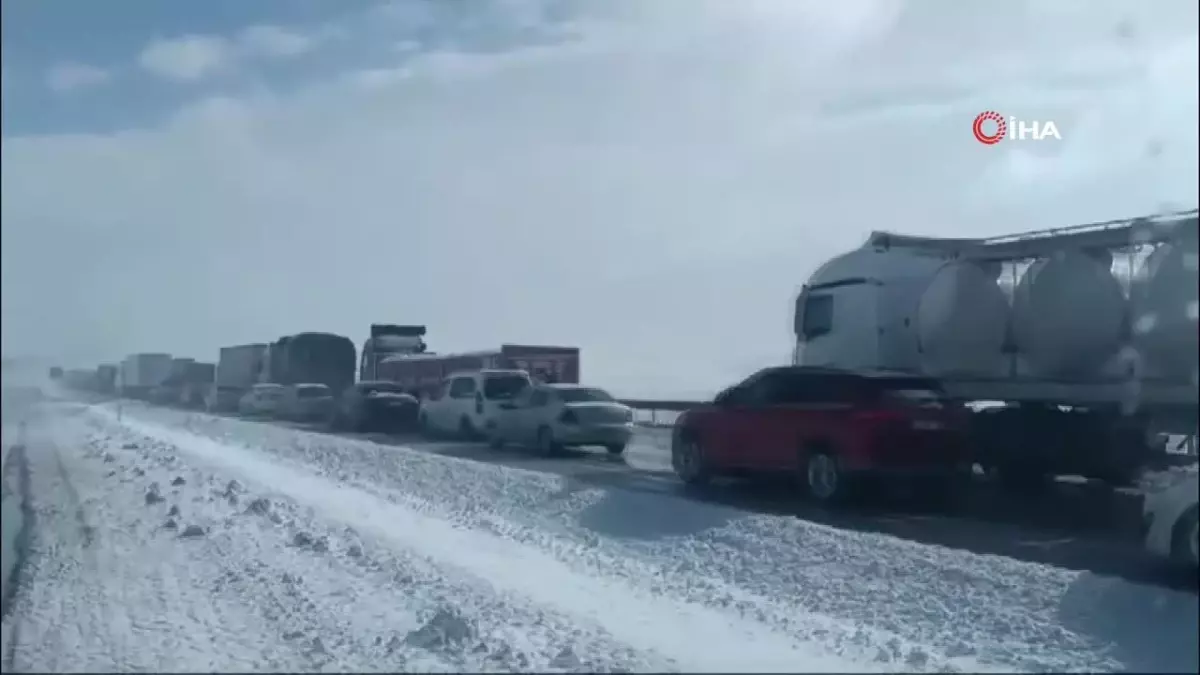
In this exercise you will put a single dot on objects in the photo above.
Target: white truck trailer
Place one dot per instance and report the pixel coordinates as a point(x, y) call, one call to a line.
point(1082, 339)
point(141, 373)
point(238, 368)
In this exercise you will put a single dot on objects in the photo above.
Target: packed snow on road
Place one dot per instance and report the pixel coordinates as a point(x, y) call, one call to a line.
point(165, 540)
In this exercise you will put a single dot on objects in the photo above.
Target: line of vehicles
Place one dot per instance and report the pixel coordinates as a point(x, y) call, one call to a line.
point(512, 394)
point(1067, 351)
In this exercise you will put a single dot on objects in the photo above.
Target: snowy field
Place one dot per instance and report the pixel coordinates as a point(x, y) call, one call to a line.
point(180, 541)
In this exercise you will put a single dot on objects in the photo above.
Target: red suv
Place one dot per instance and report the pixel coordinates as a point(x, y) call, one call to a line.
point(830, 428)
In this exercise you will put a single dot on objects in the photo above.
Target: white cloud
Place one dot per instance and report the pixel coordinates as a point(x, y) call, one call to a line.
point(187, 58)
point(275, 42)
point(654, 190)
point(67, 77)
point(194, 57)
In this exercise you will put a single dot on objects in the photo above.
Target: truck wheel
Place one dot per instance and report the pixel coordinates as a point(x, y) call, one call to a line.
point(545, 442)
point(1022, 478)
point(943, 492)
point(1185, 548)
point(616, 449)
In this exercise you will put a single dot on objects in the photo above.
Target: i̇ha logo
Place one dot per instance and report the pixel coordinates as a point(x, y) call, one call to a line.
point(990, 127)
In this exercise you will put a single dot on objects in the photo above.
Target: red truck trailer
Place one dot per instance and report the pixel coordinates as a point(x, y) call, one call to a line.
point(421, 373)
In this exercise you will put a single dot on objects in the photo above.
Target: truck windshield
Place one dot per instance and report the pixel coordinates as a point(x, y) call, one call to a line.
point(583, 394)
point(503, 387)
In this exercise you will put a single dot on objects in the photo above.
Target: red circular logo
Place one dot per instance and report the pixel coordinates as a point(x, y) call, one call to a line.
point(994, 137)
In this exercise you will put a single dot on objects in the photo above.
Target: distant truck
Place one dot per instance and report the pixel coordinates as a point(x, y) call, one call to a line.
point(422, 373)
point(310, 358)
point(56, 372)
point(106, 379)
point(80, 379)
point(141, 373)
point(388, 340)
point(237, 370)
point(197, 381)
point(170, 390)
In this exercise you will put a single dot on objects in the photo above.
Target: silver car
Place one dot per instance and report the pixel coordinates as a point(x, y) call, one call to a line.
point(550, 417)
point(307, 402)
point(262, 399)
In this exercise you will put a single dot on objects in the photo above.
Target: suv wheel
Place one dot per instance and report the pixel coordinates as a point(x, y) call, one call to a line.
point(687, 458)
point(545, 442)
point(822, 477)
point(465, 429)
point(495, 442)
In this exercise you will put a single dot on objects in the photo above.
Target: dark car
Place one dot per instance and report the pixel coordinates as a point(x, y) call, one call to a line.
point(832, 430)
point(375, 406)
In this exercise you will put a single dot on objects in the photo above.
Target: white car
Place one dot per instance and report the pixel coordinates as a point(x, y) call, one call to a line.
point(262, 399)
point(466, 403)
point(553, 416)
point(1169, 519)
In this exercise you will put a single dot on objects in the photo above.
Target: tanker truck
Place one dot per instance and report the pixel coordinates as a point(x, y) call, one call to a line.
point(1074, 350)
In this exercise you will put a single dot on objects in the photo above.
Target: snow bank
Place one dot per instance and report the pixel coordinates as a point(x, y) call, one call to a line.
point(693, 637)
point(867, 599)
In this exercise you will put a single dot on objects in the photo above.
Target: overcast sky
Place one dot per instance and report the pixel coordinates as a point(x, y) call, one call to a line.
point(649, 180)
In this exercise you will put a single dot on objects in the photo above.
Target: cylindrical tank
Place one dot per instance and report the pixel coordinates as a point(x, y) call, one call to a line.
point(1069, 315)
point(1164, 309)
point(962, 321)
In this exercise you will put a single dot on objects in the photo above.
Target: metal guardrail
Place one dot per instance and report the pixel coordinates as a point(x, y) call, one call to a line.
point(672, 406)
point(656, 413)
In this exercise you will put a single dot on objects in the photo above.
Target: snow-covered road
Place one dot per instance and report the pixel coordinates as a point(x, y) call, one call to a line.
point(178, 541)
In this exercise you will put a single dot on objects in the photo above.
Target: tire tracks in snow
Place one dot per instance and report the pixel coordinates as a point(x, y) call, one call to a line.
point(16, 467)
point(101, 598)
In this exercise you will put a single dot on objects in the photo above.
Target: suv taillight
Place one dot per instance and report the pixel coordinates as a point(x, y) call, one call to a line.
point(568, 417)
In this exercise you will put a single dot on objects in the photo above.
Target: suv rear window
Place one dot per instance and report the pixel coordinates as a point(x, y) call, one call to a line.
point(503, 387)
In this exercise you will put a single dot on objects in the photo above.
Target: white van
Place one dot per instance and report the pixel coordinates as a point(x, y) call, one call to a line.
point(465, 403)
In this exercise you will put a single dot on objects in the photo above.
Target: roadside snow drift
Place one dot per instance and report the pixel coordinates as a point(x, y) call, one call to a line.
point(177, 541)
